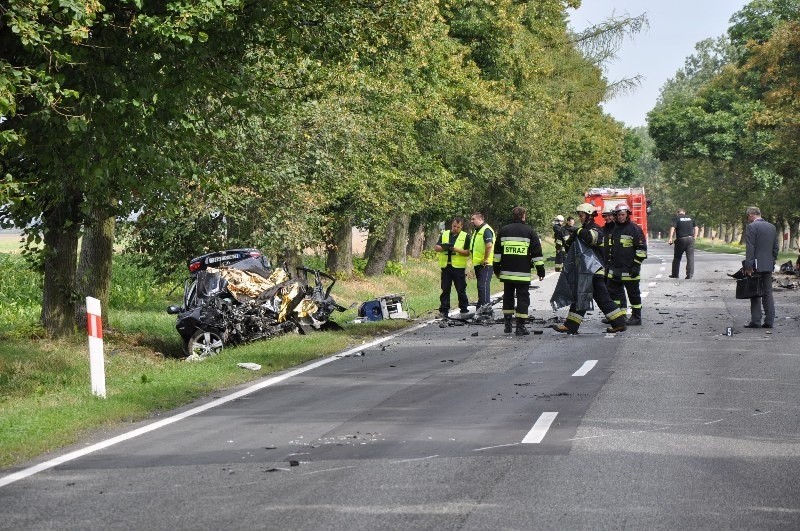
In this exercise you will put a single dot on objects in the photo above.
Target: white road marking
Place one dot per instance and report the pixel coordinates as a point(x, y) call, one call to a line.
point(662, 268)
point(416, 459)
point(652, 284)
point(540, 428)
point(658, 276)
point(585, 368)
point(492, 447)
point(22, 474)
point(645, 294)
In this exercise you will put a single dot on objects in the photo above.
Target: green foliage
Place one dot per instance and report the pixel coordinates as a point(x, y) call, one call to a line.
point(226, 124)
point(20, 293)
point(723, 124)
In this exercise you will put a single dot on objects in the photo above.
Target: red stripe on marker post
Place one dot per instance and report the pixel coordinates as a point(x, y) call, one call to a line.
point(94, 326)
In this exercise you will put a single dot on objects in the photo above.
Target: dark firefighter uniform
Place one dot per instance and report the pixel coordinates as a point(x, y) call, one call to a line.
point(608, 229)
point(591, 234)
point(517, 251)
point(559, 236)
point(628, 251)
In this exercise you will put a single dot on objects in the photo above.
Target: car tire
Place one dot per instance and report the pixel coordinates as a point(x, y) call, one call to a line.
point(204, 344)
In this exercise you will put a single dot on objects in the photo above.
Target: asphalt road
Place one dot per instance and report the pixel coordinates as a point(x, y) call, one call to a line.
point(673, 424)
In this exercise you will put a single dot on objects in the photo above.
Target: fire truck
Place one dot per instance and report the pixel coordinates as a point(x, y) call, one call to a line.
point(634, 197)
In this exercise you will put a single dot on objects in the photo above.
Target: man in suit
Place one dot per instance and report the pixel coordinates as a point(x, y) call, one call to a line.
point(761, 241)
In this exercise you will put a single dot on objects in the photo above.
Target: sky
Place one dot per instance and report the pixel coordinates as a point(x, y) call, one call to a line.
point(657, 52)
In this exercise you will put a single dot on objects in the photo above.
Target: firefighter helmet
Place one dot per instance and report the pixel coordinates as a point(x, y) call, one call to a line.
point(559, 218)
point(622, 206)
point(586, 208)
point(608, 209)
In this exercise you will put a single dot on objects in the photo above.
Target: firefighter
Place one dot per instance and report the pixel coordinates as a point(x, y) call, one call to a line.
point(592, 236)
point(608, 228)
point(518, 250)
point(628, 251)
point(559, 236)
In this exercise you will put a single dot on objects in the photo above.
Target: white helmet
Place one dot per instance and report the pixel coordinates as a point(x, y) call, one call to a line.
point(608, 209)
point(559, 218)
point(622, 206)
point(586, 208)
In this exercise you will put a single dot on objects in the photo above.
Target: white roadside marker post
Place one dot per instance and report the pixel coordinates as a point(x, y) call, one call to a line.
point(94, 326)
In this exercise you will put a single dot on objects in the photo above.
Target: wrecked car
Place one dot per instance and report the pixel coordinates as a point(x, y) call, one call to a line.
point(236, 296)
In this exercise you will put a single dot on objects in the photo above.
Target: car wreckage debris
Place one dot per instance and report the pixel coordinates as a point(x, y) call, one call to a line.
point(235, 296)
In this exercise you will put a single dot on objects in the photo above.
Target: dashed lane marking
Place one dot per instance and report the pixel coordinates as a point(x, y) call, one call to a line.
point(585, 368)
point(540, 428)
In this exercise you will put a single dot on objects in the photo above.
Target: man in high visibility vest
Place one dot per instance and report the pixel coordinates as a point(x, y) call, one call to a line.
point(482, 257)
point(453, 250)
point(518, 251)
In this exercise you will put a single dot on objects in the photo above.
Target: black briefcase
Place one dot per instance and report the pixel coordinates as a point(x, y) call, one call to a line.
point(749, 287)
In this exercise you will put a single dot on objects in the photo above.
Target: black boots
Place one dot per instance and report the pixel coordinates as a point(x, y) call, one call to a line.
point(636, 317)
point(507, 322)
point(617, 325)
point(521, 330)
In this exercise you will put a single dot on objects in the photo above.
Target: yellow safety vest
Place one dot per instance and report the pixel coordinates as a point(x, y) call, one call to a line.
point(479, 247)
point(457, 261)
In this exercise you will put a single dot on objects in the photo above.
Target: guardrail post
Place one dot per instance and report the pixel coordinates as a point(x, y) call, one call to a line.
point(94, 326)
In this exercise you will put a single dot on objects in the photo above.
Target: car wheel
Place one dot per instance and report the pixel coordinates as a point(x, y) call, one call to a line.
point(205, 344)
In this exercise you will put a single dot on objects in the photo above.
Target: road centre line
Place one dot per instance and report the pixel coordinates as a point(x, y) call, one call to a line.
point(540, 428)
point(27, 472)
point(585, 368)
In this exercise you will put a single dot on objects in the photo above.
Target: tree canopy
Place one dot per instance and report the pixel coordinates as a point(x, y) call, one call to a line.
point(227, 123)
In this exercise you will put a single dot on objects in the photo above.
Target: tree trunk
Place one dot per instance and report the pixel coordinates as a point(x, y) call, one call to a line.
point(93, 278)
point(416, 241)
point(372, 241)
point(340, 254)
point(432, 232)
point(62, 225)
point(400, 238)
point(726, 231)
point(382, 250)
point(293, 259)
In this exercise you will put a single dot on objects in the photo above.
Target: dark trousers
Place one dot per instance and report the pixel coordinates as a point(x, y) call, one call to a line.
point(617, 289)
point(560, 255)
point(452, 276)
point(484, 276)
point(767, 302)
point(683, 245)
point(518, 290)
point(604, 302)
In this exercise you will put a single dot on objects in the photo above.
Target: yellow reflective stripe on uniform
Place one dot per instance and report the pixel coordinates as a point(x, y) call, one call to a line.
point(515, 275)
point(616, 314)
point(574, 317)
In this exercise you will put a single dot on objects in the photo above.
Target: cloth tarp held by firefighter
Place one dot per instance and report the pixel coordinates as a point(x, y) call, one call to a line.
point(575, 282)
